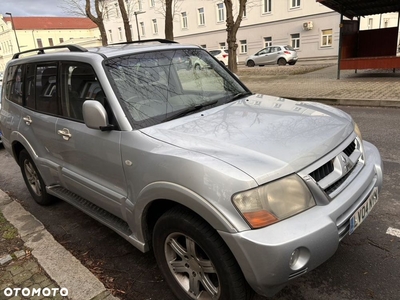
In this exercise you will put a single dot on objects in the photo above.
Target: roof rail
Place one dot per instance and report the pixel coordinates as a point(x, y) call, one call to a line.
point(72, 48)
point(162, 41)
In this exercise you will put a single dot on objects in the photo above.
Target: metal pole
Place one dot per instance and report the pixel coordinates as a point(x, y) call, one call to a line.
point(15, 32)
point(137, 26)
point(340, 45)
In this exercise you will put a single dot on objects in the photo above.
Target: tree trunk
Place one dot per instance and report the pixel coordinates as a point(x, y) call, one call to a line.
point(232, 28)
point(169, 26)
point(125, 18)
point(97, 20)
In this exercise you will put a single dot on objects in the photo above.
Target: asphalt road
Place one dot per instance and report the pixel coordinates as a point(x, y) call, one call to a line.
point(366, 265)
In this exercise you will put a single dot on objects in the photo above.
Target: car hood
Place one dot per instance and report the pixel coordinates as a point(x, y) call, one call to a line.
point(265, 137)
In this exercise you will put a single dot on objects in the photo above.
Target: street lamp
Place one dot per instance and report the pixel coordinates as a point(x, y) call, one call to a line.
point(137, 24)
point(15, 32)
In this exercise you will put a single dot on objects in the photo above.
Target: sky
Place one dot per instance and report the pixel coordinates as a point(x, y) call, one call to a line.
point(19, 8)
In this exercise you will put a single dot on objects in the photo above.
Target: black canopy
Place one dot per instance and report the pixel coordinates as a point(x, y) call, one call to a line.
point(358, 8)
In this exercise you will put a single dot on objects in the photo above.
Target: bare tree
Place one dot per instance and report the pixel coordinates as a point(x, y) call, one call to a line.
point(84, 8)
point(232, 27)
point(168, 9)
point(169, 20)
point(125, 19)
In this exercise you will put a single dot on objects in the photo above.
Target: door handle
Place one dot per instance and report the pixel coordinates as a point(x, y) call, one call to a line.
point(27, 120)
point(65, 133)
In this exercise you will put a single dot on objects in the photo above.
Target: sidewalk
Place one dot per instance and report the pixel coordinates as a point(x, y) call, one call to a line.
point(36, 262)
point(365, 88)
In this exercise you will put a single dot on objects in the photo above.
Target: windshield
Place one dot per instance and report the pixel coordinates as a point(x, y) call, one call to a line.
point(157, 86)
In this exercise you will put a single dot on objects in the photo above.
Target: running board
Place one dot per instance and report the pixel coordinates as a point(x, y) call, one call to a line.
point(96, 212)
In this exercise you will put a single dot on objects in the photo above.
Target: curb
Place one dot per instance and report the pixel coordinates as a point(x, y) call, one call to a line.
point(351, 102)
point(56, 261)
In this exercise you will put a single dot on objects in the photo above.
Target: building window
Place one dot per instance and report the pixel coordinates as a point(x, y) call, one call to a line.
point(140, 5)
point(116, 10)
point(221, 12)
point(155, 26)
point(61, 40)
point(142, 29)
point(245, 12)
point(51, 42)
point(184, 20)
point(294, 3)
point(110, 36)
point(120, 33)
point(326, 38)
point(386, 23)
point(152, 3)
point(267, 41)
point(370, 23)
point(295, 40)
point(202, 20)
point(222, 45)
point(243, 46)
point(39, 43)
point(267, 5)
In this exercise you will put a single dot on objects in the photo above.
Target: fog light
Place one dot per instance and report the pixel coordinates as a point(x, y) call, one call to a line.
point(299, 258)
point(294, 257)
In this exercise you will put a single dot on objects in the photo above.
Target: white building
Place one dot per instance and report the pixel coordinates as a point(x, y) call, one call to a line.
point(379, 21)
point(306, 25)
point(36, 32)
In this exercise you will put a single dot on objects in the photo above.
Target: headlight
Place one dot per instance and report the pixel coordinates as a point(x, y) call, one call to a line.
point(357, 131)
point(359, 141)
point(274, 201)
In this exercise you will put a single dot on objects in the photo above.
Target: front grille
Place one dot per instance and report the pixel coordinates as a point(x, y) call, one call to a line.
point(330, 189)
point(350, 148)
point(322, 171)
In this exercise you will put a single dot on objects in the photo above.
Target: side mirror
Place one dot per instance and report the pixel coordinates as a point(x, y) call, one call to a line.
point(95, 116)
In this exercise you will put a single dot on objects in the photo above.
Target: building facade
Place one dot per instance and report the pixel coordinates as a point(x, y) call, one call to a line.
point(36, 32)
point(306, 25)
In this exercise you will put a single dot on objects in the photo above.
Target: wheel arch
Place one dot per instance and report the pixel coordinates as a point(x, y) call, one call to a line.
point(159, 197)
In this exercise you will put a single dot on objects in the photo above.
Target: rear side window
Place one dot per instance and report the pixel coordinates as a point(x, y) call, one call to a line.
point(13, 86)
point(289, 48)
point(46, 89)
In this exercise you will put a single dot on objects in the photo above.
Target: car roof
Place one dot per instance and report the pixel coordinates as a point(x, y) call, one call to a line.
point(113, 50)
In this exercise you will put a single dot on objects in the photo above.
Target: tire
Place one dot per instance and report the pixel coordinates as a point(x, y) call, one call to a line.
point(282, 61)
point(195, 261)
point(292, 63)
point(33, 180)
point(250, 63)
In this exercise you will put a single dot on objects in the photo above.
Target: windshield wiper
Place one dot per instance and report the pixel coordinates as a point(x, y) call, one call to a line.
point(238, 96)
point(189, 110)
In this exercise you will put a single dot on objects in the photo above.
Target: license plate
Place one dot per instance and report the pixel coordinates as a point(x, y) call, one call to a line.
point(363, 211)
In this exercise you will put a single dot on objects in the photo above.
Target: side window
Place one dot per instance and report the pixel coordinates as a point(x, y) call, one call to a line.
point(14, 84)
point(46, 89)
point(79, 83)
point(30, 87)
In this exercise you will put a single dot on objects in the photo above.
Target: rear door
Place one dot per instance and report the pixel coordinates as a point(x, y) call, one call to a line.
point(273, 57)
point(90, 159)
point(39, 115)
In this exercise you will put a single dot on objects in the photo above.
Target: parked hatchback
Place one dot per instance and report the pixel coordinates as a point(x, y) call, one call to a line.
point(272, 55)
point(232, 191)
point(221, 54)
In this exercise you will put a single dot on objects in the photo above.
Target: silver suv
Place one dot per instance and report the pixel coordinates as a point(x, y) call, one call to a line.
point(233, 191)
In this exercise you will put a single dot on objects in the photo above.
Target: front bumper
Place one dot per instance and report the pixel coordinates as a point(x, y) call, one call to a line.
point(264, 254)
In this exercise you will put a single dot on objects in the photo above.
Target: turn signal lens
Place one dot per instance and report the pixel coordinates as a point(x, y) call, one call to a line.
point(261, 218)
